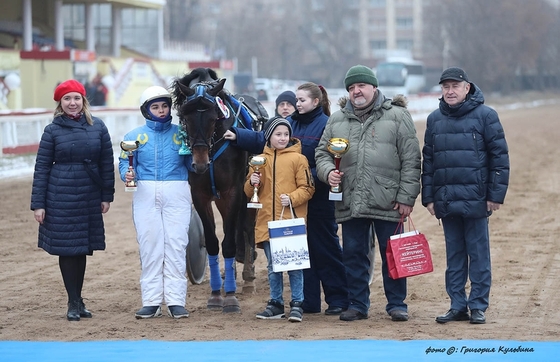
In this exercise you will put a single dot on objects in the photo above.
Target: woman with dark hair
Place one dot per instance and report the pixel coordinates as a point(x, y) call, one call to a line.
point(325, 253)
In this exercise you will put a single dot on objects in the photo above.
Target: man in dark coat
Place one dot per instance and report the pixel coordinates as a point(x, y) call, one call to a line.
point(465, 175)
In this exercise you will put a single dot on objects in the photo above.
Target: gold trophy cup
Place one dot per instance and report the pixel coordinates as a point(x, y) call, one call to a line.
point(255, 163)
point(129, 147)
point(338, 147)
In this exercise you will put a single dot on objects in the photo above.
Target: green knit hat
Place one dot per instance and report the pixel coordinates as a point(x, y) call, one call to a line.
point(360, 74)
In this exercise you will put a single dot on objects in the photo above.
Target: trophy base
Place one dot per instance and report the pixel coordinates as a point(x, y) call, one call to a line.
point(130, 188)
point(335, 196)
point(254, 205)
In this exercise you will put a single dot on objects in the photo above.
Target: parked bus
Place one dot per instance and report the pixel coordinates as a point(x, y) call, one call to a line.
point(401, 76)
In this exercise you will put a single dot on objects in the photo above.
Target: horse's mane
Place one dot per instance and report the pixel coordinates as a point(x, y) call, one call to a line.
point(197, 75)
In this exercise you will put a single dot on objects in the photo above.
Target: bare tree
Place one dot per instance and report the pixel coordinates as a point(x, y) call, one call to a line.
point(504, 44)
point(330, 31)
point(495, 41)
point(291, 39)
point(548, 66)
point(181, 17)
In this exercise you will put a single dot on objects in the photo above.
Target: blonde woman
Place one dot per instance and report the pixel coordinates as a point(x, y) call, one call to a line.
point(73, 186)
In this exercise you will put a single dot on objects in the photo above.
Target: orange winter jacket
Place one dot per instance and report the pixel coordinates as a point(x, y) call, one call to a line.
point(286, 172)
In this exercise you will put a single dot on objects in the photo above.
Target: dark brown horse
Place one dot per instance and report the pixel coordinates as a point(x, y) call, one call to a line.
point(217, 174)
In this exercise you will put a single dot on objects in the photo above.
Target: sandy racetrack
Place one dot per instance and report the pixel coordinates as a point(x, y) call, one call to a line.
point(525, 254)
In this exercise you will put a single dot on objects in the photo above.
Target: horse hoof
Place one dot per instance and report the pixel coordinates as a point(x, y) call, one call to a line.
point(249, 288)
point(231, 304)
point(215, 302)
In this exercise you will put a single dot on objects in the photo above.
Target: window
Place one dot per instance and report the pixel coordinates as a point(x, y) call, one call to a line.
point(139, 30)
point(405, 44)
point(403, 3)
point(376, 3)
point(377, 24)
point(73, 17)
point(404, 23)
point(377, 44)
point(139, 27)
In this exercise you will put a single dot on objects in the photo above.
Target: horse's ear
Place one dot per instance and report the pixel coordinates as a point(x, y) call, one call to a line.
point(187, 91)
point(212, 73)
point(217, 88)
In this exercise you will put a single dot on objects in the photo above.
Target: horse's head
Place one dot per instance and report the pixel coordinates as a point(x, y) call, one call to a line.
point(197, 101)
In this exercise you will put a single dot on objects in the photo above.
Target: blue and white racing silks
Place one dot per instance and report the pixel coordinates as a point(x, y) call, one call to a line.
point(157, 157)
point(161, 211)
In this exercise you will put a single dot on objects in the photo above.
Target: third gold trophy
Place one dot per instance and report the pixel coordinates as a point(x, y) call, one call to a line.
point(338, 147)
point(255, 163)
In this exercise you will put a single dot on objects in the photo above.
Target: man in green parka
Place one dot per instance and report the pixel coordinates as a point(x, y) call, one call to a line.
point(380, 180)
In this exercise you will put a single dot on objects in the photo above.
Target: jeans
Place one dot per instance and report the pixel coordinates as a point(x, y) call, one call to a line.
point(355, 236)
point(467, 245)
point(276, 280)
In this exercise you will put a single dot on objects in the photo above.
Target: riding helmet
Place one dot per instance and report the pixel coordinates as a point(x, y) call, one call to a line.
point(152, 94)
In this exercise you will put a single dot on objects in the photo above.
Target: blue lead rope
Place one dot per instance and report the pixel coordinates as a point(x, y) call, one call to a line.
point(216, 155)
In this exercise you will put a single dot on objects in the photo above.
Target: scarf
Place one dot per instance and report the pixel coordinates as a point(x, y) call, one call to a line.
point(75, 117)
point(363, 113)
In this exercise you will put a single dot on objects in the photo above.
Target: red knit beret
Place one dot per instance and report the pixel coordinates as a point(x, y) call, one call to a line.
point(67, 87)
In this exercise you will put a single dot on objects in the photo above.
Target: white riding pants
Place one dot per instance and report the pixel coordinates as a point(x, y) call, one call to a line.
point(161, 211)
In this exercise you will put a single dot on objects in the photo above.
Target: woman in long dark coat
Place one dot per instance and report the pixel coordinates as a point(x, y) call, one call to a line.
point(73, 186)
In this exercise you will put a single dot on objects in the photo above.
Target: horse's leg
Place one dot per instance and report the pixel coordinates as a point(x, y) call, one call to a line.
point(248, 239)
point(229, 217)
point(203, 206)
point(245, 246)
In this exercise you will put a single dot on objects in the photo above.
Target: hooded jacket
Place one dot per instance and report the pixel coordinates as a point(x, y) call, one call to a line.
point(286, 172)
point(382, 164)
point(308, 128)
point(466, 160)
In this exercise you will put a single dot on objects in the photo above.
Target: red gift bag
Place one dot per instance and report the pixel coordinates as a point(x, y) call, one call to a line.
point(408, 254)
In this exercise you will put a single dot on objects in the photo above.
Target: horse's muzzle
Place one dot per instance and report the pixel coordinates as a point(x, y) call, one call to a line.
point(200, 168)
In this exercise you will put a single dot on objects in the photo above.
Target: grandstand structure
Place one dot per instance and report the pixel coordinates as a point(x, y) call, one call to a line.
point(45, 42)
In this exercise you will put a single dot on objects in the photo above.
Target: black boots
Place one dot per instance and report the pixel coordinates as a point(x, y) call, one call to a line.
point(73, 313)
point(77, 309)
point(84, 313)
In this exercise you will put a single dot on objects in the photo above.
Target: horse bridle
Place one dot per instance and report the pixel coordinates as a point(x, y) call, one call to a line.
point(201, 95)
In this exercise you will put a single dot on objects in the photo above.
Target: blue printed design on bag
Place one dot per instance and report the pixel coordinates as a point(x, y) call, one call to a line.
point(287, 231)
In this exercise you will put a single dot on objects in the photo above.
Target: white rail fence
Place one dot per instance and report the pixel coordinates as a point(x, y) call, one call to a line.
point(20, 132)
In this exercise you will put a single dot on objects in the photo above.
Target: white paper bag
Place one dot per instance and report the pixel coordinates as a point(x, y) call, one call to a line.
point(288, 244)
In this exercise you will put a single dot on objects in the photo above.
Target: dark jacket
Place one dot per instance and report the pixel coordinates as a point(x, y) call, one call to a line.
point(465, 158)
point(70, 195)
point(308, 128)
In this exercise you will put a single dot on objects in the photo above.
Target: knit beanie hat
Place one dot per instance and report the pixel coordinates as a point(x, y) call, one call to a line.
point(287, 96)
point(360, 74)
point(67, 87)
point(274, 122)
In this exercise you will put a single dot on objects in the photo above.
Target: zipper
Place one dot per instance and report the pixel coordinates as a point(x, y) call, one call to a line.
point(475, 146)
point(274, 186)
